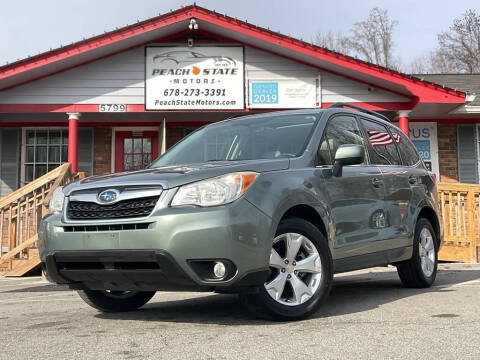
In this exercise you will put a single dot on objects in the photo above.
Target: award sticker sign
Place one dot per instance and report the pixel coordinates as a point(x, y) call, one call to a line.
point(197, 78)
point(283, 93)
point(264, 93)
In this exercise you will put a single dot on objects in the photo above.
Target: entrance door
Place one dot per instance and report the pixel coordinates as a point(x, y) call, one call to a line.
point(135, 150)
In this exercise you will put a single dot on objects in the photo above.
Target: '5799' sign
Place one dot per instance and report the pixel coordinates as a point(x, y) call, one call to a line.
point(204, 77)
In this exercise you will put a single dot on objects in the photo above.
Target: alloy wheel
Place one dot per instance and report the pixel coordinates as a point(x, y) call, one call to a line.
point(427, 252)
point(296, 268)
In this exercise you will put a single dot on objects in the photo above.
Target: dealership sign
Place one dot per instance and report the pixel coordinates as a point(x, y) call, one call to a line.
point(284, 93)
point(424, 137)
point(201, 77)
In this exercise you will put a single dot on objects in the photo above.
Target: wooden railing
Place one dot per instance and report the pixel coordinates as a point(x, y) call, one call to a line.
point(460, 207)
point(22, 210)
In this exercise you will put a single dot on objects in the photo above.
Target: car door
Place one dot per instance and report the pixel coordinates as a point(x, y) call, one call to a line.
point(413, 173)
point(398, 193)
point(354, 199)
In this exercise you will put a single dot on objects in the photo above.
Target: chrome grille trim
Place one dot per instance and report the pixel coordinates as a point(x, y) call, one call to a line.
point(131, 208)
point(124, 194)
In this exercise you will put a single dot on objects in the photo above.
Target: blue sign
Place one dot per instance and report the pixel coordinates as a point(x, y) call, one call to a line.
point(423, 148)
point(264, 92)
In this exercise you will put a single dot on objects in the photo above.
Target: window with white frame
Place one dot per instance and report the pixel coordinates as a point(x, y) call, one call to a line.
point(45, 149)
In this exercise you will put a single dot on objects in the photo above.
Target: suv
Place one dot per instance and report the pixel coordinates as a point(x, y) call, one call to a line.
point(268, 206)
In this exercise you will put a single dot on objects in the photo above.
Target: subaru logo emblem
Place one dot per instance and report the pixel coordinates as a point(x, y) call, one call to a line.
point(108, 196)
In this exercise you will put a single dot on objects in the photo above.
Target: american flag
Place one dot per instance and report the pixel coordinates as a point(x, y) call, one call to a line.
point(382, 138)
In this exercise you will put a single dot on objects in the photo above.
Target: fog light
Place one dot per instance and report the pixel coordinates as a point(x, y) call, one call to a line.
point(219, 270)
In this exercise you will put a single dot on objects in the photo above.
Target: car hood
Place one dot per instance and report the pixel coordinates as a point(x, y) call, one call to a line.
point(173, 176)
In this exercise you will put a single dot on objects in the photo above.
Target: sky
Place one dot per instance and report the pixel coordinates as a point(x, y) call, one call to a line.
point(28, 27)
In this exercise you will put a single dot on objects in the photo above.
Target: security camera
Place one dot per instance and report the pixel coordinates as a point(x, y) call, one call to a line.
point(190, 43)
point(193, 24)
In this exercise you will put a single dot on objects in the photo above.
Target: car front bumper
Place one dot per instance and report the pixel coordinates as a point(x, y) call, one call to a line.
point(161, 253)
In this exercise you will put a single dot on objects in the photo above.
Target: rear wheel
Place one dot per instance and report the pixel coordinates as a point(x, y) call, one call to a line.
point(420, 271)
point(115, 301)
point(301, 273)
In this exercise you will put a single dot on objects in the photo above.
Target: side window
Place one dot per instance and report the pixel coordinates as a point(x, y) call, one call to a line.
point(384, 151)
point(407, 149)
point(340, 130)
point(323, 154)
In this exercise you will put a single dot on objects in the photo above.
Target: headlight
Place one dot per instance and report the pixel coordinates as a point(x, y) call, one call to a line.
point(56, 202)
point(215, 191)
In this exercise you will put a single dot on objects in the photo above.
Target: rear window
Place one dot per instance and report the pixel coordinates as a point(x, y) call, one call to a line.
point(383, 149)
point(407, 150)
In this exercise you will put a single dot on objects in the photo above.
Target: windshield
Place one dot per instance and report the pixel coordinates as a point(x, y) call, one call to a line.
point(266, 137)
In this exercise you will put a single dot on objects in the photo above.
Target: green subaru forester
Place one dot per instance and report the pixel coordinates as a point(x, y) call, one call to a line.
point(268, 206)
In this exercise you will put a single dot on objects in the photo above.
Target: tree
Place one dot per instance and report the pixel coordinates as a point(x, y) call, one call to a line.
point(370, 39)
point(434, 62)
point(460, 46)
point(336, 42)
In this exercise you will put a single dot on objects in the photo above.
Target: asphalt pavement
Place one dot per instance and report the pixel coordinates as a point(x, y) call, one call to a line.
point(369, 315)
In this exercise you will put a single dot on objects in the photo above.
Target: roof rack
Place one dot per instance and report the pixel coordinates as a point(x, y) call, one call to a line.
point(347, 105)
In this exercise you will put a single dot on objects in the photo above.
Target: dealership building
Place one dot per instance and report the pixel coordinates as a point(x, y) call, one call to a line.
point(116, 101)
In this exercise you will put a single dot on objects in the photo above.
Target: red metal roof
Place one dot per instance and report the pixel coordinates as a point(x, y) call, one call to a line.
point(92, 49)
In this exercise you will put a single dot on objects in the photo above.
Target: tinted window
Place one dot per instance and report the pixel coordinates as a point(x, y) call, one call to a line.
point(340, 130)
point(264, 137)
point(323, 154)
point(407, 149)
point(384, 151)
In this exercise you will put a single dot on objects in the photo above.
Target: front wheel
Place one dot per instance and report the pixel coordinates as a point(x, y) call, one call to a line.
point(115, 301)
point(420, 271)
point(301, 273)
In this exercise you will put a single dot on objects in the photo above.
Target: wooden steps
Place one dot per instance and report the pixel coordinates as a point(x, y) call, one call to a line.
point(20, 215)
point(23, 267)
point(20, 262)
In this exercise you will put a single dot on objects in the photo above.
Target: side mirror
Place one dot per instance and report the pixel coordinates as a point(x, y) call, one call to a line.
point(347, 154)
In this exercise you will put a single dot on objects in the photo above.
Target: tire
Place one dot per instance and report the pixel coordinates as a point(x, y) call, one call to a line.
point(115, 301)
point(420, 271)
point(312, 285)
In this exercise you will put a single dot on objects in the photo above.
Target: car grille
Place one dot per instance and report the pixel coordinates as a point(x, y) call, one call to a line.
point(132, 208)
point(113, 227)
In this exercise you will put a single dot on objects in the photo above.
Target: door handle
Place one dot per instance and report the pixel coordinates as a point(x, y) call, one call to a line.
point(412, 179)
point(376, 182)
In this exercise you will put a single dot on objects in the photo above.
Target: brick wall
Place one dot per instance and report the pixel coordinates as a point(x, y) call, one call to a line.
point(102, 151)
point(447, 152)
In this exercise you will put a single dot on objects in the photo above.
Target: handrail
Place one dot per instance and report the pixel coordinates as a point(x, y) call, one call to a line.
point(56, 184)
point(27, 189)
point(458, 186)
point(11, 254)
point(21, 211)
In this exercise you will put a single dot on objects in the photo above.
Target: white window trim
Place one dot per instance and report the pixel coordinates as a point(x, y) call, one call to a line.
point(24, 147)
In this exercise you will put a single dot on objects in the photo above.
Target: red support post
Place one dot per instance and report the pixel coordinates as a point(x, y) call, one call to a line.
point(403, 121)
point(73, 141)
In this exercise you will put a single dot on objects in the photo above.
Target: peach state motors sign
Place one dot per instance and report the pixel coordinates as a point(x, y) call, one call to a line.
point(200, 77)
